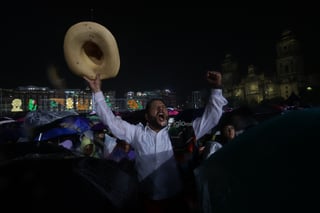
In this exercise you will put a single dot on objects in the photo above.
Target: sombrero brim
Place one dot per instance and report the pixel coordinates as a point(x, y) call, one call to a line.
point(90, 49)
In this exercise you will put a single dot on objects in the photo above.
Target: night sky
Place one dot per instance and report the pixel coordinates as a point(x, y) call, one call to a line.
point(159, 47)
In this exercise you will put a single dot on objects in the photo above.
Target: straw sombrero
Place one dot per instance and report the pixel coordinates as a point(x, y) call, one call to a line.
point(89, 49)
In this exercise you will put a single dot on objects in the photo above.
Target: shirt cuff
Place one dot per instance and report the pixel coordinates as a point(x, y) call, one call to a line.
point(98, 96)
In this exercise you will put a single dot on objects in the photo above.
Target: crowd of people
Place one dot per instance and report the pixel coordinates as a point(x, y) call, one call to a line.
point(164, 177)
point(164, 172)
point(169, 176)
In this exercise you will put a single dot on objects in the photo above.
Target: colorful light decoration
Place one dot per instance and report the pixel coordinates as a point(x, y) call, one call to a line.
point(53, 104)
point(16, 105)
point(83, 104)
point(134, 104)
point(69, 103)
point(32, 105)
point(107, 99)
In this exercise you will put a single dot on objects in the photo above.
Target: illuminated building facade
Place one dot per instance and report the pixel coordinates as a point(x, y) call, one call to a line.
point(138, 100)
point(288, 78)
point(31, 98)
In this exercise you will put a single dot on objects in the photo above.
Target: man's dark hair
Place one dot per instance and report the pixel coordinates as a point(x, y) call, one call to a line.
point(148, 105)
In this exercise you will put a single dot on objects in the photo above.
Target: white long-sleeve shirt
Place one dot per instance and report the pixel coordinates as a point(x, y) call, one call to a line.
point(155, 163)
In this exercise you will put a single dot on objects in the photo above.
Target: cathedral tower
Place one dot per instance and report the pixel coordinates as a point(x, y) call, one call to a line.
point(289, 65)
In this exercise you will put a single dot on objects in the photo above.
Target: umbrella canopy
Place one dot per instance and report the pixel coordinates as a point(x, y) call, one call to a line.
point(72, 124)
point(48, 178)
point(10, 130)
point(271, 167)
point(5, 120)
point(35, 119)
point(36, 122)
point(76, 122)
point(54, 133)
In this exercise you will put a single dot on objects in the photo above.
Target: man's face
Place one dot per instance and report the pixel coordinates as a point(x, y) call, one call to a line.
point(157, 116)
point(88, 149)
point(229, 132)
point(100, 135)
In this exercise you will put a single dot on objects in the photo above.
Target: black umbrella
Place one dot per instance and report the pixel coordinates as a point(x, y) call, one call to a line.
point(35, 119)
point(41, 126)
point(69, 125)
point(271, 167)
point(48, 178)
point(36, 122)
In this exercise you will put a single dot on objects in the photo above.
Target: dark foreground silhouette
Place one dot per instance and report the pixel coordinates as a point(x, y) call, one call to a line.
point(271, 167)
point(46, 178)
